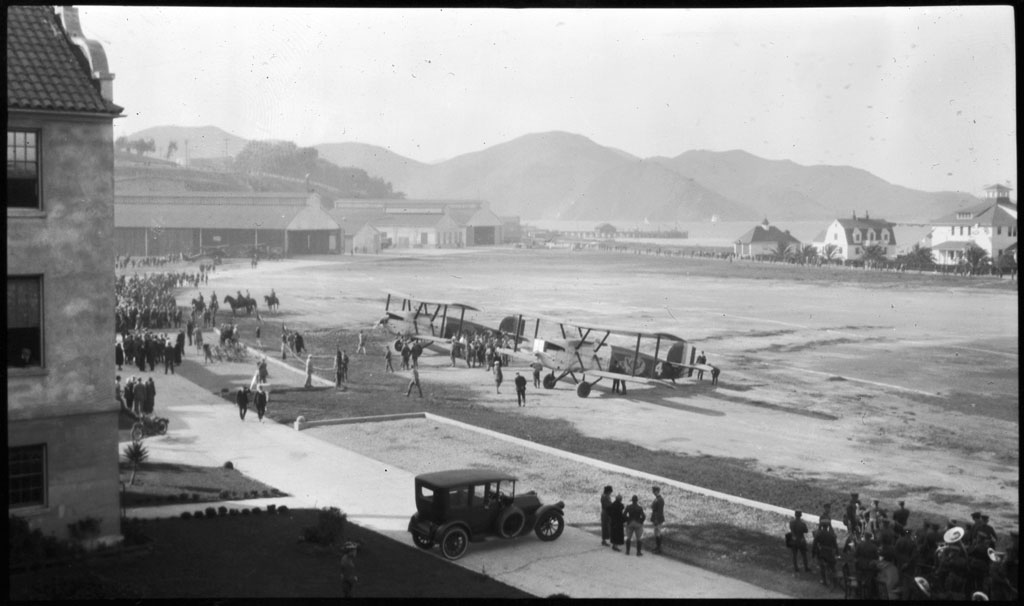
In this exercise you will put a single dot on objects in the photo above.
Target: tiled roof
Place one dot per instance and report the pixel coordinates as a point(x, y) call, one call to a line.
point(43, 72)
point(859, 223)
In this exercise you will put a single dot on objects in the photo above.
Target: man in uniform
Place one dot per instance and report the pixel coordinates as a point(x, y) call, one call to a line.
point(825, 548)
point(900, 517)
point(635, 517)
point(348, 569)
point(520, 389)
point(657, 516)
point(851, 519)
point(798, 530)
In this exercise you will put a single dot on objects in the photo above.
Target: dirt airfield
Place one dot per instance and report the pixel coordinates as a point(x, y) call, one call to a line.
point(893, 389)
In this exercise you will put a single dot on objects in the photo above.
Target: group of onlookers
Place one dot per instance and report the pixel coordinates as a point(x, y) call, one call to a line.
point(882, 557)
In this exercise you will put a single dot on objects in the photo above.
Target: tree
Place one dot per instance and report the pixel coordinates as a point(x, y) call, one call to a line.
point(807, 253)
point(781, 252)
point(171, 148)
point(142, 146)
point(920, 257)
point(136, 454)
point(122, 143)
point(873, 256)
point(976, 257)
point(830, 253)
point(1007, 262)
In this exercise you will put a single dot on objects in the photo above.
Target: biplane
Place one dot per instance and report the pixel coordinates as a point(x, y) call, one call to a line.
point(436, 322)
point(588, 352)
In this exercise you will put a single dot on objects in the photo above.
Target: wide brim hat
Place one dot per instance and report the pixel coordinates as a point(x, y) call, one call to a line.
point(922, 584)
point(953, 535)
point(978, 596)
point(993, 554)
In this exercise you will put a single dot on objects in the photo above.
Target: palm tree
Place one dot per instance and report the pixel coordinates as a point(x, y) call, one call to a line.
point(829, 253)
point(874, 255)
point(781, 252)
point(921, 257)
point(807, 253)
point(136, 454)
point(975, 256)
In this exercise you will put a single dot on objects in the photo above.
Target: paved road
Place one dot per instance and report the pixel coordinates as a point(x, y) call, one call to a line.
point(205, 430)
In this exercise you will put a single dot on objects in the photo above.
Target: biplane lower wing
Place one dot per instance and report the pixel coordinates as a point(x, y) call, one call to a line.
point(618, 376)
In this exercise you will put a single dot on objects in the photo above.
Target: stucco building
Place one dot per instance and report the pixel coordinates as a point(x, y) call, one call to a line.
point(61, 414)
point(417, 223)
point(990, 225)
point(851, 236)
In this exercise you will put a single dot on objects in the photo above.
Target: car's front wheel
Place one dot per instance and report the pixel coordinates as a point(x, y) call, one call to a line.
point(550, 526)
point(422, 541)
point(454, 543)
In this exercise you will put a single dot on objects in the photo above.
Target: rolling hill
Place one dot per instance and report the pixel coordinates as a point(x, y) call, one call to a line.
point(203, 141)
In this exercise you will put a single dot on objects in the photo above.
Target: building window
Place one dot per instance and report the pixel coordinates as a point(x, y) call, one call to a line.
point(26, 476)
point(835, 236)
point(999, 230)
point(24, 333)
point(952, 231)
point(22, 169)
point(856, 235)
point(871, 235)
point(885, 237)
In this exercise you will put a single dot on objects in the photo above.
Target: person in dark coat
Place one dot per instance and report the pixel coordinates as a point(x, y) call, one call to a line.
point(606, 520)
point(150, 401)
point(119, 355)
point(129, 396)
point(242, 399)
point(168, 357)
point(142, 350)
point(798, 528)
point(520, 389)
point(260, 399)
point(179, 347)
point(616, 513)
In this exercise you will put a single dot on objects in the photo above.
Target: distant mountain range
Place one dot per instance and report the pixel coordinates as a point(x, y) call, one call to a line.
point(558, 175)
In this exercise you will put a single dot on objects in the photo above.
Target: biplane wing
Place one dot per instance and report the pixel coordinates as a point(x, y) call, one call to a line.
point(617, 376)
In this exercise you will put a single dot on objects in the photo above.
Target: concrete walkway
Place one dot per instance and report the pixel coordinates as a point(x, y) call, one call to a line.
point(205, 430)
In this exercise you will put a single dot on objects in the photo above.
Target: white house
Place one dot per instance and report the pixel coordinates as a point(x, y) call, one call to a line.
point(763, 241)
point(991, 225)
point(852, 236)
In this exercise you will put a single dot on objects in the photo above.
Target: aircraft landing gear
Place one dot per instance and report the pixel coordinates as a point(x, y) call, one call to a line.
point(583, 389)
point(549, 381)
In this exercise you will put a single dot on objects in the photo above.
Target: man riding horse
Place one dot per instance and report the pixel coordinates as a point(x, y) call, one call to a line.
point(248, 304)
point(273, 303)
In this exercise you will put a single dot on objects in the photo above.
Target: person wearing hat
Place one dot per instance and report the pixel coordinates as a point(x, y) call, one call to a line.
point(900, 517)
point(606, 521)
point(798, 531)
point(348, 569)
point(826, 513)
point(657, 516)
point(970, 529)
point(260, 400)
point(824, 549)
point(617, 519)
point(865, 562)
point(985, 531)
point(850, 518)
point(635, 517)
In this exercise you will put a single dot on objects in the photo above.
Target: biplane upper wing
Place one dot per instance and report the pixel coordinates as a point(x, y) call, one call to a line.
point(408, 297)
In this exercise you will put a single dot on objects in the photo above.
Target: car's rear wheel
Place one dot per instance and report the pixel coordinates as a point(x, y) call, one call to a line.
point(550, 526)
point(454, 543)
point(161, 426)
point(422, 541)
point(511, 521)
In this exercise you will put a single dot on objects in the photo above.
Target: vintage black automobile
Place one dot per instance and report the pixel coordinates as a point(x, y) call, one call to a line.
point(457, 506)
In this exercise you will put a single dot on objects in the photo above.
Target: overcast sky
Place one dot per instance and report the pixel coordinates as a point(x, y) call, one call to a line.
point(922, 97)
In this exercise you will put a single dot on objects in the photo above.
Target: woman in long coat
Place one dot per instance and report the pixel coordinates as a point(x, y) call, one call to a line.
point(150, 401)
point(119, 354)
point(618, 518)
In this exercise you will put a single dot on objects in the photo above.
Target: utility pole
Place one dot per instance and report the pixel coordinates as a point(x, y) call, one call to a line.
point(186, 153)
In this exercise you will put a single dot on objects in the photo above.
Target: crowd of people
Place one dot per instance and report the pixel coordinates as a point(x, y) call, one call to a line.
point(883, 557)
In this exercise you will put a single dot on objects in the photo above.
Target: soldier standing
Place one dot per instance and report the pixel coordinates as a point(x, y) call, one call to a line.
point(348, 569)
point(635, 517)
point(798, 528)
point(657, 517)
point(825, 548)
point(606, 520)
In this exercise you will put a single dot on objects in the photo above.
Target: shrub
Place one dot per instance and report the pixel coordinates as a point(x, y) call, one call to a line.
point(256, 511)
point(197, 514)
point(195, 496)
point(224, 494)
point(30, 547)
point(131, 529)
point(245, 511)
point(271, 508)
point(229, 465)
point(266, 494)
point(222, 510)
point(86, 528)
point(185, 515)
point(330, 527)
point(233, 512)
point(183, 496)
point(171, 497)
point(282, 510)
point(211, 512)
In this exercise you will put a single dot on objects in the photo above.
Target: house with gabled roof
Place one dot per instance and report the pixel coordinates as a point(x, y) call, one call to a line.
point(62, 417)
point(990, 225)
point(762, 241)
point(403, 223)
point(851, 236)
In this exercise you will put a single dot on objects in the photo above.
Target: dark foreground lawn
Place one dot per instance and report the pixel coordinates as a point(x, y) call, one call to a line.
point(255, 556)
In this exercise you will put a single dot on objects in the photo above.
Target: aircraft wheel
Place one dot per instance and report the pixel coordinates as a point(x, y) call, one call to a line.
point(398, 345)
point(583, 389)
point(549, 381)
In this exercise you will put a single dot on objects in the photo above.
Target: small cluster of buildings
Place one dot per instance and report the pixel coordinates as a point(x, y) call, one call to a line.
point(990, 225)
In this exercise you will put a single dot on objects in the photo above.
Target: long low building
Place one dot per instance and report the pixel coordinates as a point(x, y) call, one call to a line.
point(295, 223)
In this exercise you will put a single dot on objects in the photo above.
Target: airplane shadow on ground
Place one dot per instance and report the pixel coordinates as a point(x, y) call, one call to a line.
point(668, 398)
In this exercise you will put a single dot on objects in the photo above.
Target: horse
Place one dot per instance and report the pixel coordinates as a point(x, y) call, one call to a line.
point(245, 303)
point(273, 304)
point(198, 307)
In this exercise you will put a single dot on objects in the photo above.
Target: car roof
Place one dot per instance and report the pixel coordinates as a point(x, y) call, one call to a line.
point(462, 477)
